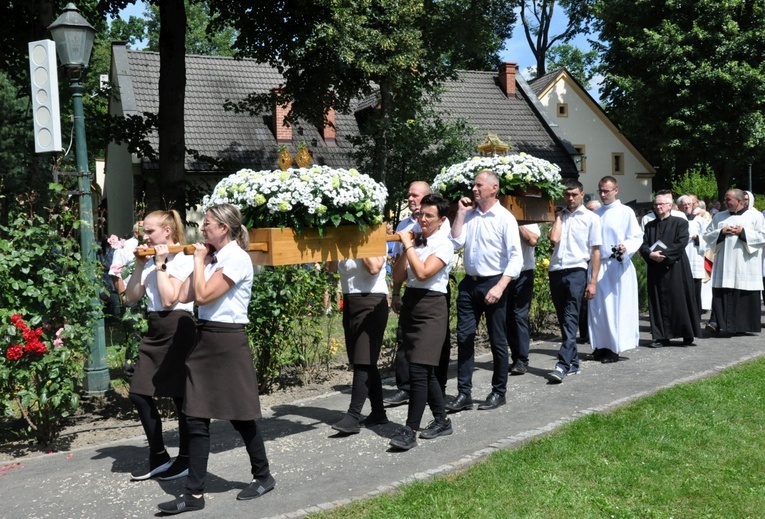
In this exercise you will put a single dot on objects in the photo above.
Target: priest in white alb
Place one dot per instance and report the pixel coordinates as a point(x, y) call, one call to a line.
point(737, 236)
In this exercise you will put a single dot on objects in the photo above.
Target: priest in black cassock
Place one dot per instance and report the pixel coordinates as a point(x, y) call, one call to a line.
point(672, 303)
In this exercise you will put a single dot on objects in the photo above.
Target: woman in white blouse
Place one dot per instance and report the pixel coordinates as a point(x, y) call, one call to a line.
point(425, 263)
point(365, 316)
point(160, 369)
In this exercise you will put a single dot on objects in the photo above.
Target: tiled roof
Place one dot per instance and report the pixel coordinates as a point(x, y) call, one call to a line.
point(477, 97)
point(246, 141)
point(240, 139)
point(540, 84)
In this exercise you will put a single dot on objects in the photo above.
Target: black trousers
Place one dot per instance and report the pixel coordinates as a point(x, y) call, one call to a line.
point(424, 389)
point(148, 413)
point(199, 450)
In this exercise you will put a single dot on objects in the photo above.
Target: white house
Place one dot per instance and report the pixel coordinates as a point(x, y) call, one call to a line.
point(603, 150)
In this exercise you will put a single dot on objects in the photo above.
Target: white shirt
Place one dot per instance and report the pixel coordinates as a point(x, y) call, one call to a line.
point(695, 251)
point(440, 246)
point(123, 257)
point(179, 266)
point(410, 224)
point(492, 243)
point(580, 231)
point(356, 279)
point(527, 251)
point(231, 307)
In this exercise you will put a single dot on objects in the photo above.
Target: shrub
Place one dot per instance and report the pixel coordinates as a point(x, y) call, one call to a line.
point(290, 328)
point(542, 311)
point(47, 286)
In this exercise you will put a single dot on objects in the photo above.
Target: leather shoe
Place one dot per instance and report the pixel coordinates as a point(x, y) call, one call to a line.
point(462, 401)
point(397, 398)
point(493, 401)
point(610, 357)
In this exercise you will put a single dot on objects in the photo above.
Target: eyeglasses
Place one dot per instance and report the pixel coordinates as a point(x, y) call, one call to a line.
point(605, 191)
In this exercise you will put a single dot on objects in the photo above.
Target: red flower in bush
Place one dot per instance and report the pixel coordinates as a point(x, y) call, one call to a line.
point(14, 352)
point(15, 318)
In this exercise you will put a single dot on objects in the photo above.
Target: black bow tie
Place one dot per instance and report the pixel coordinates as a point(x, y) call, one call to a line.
point(214, 259)
point(419, 239)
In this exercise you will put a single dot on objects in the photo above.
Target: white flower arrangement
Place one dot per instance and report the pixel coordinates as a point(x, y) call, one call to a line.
point(517, 171)
point(312, 197)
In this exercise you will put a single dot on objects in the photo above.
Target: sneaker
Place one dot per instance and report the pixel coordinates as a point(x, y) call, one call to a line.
point(157, 463)
point(404, 439)
point(179, 469)
point(257, 488)
point(519, 368)
point(557, 375)
point(348, 425)
point(182, 504)
point(573, 371)
point(437, 428)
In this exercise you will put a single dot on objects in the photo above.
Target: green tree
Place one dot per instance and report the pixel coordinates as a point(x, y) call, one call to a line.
point(536, 18)
point(199, 40)
point(686, 81)
point(332, 53)
point(582, 65)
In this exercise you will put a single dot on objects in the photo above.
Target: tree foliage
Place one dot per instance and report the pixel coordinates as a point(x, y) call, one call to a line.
point(332, 53)
point(537, 17)
point(686, 80)
point(200, 40)
point(582, 65)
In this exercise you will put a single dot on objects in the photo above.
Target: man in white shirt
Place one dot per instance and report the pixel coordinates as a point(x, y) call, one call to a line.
point(696, 247)
point(519, 295)
point(491, 240)
point(576, 238)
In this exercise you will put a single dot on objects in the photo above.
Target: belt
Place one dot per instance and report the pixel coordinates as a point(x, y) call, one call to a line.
point(481, 278)
point(567, 271)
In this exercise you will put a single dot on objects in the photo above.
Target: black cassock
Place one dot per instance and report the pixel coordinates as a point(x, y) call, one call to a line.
point(671, 294)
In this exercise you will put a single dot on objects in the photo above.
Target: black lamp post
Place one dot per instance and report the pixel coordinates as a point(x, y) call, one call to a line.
point(74, 42)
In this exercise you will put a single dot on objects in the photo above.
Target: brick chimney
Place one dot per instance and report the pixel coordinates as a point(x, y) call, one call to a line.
point(282, 131)
point(328, 132)
point(507, 78)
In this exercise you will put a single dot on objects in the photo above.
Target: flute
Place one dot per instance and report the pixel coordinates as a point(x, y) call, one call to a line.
point(253, 247)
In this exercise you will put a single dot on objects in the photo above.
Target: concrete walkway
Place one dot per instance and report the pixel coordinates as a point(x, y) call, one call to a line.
point(316, 469)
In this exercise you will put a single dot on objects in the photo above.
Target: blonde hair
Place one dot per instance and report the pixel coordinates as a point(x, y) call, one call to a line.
point(172, 220)
point(230, 216)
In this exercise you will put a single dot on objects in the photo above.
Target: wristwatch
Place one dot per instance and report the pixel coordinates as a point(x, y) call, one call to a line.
point(162, 267)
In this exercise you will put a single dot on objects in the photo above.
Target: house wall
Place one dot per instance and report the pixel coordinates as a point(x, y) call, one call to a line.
point(587, 126)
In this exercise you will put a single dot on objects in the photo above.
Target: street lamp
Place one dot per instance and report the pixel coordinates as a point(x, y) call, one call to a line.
point(74, 41)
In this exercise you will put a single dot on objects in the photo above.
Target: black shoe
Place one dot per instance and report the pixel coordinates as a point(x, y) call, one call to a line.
point(398, 398)
point(404, 439)
point(712, 327)
point(437, 428)
point(179, 469)
point(462, 401)
point(599, 353)
point(688, 341)
point(656, 344)
point(157, 463)
point(610, 357)
point(519, 368)
point(257, 488)
point(182, 504)
point(348, 425)
point(493, 401)
point(376, 418)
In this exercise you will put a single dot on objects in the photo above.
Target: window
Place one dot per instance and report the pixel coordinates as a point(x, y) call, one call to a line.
point(581, 159)
point(617, 163)
point(562, 110)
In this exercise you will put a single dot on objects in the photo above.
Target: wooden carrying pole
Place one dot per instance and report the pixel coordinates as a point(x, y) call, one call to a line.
point(253, 247)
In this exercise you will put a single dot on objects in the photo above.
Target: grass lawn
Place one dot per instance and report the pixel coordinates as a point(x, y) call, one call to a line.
point(691, 451)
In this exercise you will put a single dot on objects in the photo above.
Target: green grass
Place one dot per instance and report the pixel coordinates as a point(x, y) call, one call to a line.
point(692, 451)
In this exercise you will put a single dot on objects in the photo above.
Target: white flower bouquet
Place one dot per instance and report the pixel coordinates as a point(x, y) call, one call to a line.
point(314, 197)
point(516, 172)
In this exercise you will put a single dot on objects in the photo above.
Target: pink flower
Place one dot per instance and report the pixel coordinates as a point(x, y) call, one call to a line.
point(58, 341)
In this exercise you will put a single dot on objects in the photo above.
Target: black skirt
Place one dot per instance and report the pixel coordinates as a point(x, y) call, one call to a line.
point(221, 381)
point(161, 366)
point(424, 323)
point(365, 317)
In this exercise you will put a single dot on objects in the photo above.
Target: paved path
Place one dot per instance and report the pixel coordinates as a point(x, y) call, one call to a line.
point(316, 469)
